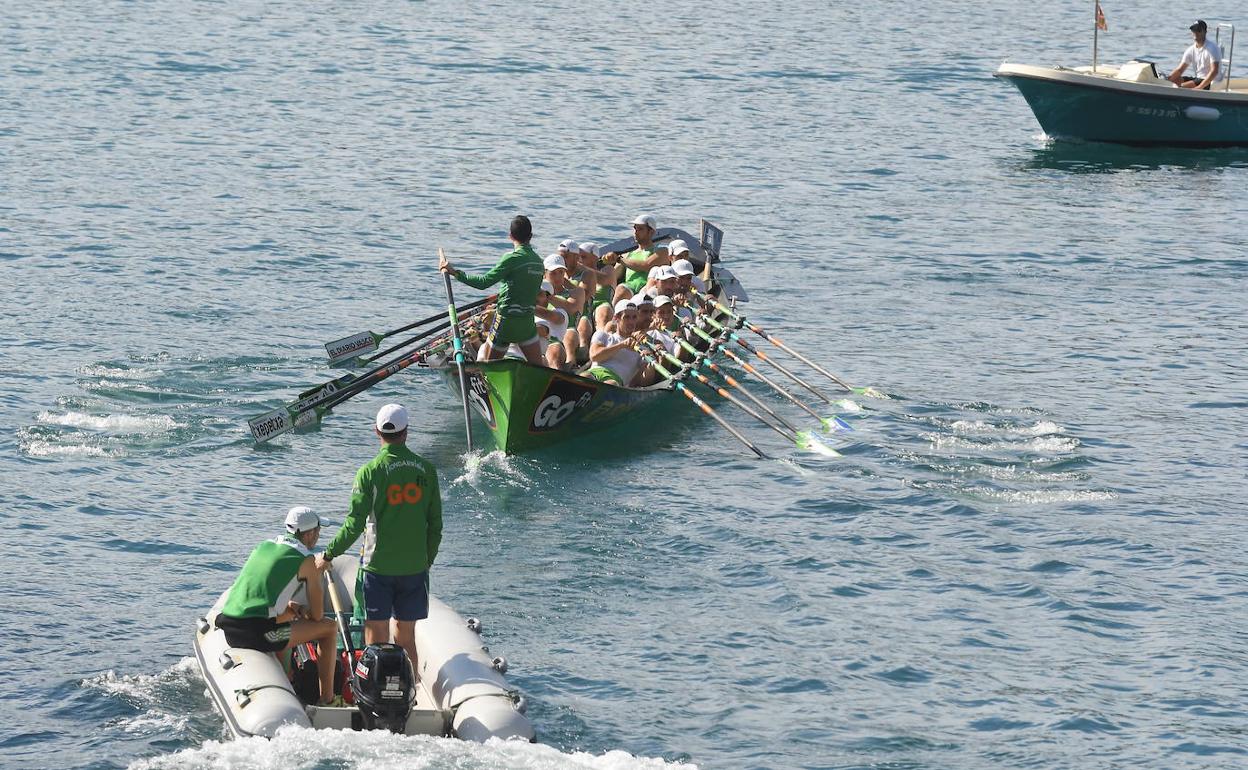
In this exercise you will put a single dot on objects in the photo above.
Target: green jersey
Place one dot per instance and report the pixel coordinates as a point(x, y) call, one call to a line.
point(396, 503)
point(634, 279)
point(521, 272)
point(269, 579)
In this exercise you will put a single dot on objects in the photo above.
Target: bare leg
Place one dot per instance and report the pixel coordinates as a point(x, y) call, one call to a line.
point(554, 355)
point(490, 353)
point(405, 637)
point(533, 353)
point(571, 343)
point(324, 633)
point(376, 631)
point(621, 292)
point(602, 316)
point(584, 328)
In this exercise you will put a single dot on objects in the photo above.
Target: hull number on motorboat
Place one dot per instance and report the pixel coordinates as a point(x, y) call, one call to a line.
point(1156, 112)
point(561, 400)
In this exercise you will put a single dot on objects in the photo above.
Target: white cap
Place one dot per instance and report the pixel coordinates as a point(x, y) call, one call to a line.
point(642, 299)
point(662, 300)
point(677, 247)
point(554, 262)
point(647, 219)
point(682, 267)
point(301, 519)
point(654, 272)
point(548, 287)
point(623, 305)
point(666, 272)
point(392, 418)
point(569, 244)
point(589, 247)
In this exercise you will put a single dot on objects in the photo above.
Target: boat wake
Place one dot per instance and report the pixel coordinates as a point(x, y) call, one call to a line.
point(294, 747)
point(490, 468)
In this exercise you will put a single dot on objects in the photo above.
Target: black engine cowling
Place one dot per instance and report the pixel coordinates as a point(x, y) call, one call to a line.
point(384, 687)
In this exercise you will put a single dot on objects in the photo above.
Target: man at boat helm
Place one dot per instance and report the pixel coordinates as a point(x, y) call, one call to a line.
point(259, 611)
point(1204, 56)
point(521, 272)
point(397, 504)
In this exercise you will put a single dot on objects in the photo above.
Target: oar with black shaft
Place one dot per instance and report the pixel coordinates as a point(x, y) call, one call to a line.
point(311, 408)
point(459, 350)
point(701, 404)
point(747, 366)
point(801, 439)
point(730, 334)
point(347, 644)
point(870, 392)
point(355, 345)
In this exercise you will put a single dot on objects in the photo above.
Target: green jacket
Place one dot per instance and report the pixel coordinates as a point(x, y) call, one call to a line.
point(397, 504)
point(521, 272)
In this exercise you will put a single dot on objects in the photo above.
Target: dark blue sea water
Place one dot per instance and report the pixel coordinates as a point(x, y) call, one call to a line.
point(1029, 555)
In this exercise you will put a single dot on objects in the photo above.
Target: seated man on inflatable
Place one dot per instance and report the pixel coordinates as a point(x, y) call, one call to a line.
point(259, 613)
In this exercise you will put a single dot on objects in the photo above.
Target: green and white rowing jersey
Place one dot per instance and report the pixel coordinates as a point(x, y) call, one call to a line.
point(268, 581)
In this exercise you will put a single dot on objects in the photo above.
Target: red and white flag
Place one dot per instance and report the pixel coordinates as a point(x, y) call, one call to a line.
point(1100, 19)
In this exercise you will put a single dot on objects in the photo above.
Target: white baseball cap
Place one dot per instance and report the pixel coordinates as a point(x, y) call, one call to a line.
point(548, 287)
point(623, 305)
point(589, 247)
point(662, 300)
point(682, 267)
point(654, 272)
point(569, 244)
point(666, 272)
point(647, 219)
point(554, 262)
point(301, 518)
point(642, 299)
point(677, 247)
point(392, 418)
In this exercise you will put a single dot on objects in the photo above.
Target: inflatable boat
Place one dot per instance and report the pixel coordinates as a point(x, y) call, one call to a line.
point(460, 690)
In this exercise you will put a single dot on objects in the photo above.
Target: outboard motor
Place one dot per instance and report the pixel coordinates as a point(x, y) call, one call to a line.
point(384, 688)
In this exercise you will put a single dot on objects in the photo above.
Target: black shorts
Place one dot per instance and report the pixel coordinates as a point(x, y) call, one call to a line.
point(263, 634)
point(1190, 79)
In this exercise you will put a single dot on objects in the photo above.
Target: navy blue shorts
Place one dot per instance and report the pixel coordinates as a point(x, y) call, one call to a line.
point(402, 597)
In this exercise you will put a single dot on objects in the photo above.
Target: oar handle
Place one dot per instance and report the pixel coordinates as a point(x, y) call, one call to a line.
point(341, 614)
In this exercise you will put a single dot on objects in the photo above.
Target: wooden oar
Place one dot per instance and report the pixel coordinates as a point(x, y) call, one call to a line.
point(801, 439)
point(680, 386)
point(870, 392)
point(752, 370)
point(763, 356)
point(459, 351)
point(355, 345)
point(701, 358)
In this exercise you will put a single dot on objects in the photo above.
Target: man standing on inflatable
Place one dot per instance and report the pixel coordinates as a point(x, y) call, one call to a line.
point(397, 504)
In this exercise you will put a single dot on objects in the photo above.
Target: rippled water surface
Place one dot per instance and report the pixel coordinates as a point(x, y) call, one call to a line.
point(1029, 554)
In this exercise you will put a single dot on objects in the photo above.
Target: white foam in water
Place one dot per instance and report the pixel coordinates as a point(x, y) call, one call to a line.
point(845, 405)
point(1044, 444)
point(49, 449)
point(148, 690)
point(1043, 496)
point(1042, 428)
point(112, 423)
point(493, 466)
point(294, 747)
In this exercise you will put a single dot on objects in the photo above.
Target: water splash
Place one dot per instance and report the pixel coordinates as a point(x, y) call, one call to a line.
point(807, 441)
point(112, 423)
point(294, 747)
point(490, 467)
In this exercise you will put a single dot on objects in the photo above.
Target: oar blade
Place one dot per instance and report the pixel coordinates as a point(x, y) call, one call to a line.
point(342, 350)
point(270, 425)
point(808, 442)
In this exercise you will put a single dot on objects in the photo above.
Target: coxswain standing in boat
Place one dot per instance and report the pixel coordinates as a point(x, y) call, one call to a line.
point(259, 612)
point(520, 271)
point(397, 505)
point(1203, 56)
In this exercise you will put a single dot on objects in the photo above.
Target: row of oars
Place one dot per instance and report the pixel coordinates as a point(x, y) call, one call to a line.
point(700, 368)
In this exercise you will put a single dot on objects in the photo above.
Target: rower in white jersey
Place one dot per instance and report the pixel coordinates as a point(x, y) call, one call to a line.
point(664, 324)
point(552, 328)
point(613, 355)
point(566, 296)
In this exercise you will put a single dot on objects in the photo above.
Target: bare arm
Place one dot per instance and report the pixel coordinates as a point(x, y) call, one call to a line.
point(312, 584)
